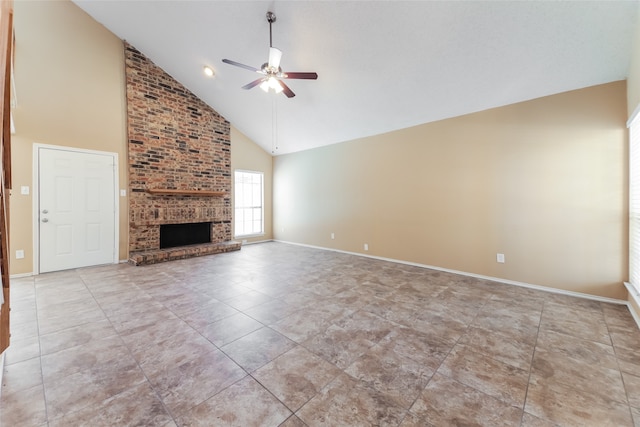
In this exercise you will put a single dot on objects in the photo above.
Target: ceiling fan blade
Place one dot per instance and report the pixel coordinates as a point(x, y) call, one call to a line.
point(275, 55)
point(310, 76)
point(253, 84)
point(237, 64)
point(286, 90)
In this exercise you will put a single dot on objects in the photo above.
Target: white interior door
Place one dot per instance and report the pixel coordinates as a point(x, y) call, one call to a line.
point(76, 209)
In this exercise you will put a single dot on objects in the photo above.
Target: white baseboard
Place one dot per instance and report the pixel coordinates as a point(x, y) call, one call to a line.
point(17, 276)
point(477, 276)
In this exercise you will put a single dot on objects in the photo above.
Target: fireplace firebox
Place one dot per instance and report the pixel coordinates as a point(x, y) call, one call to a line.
point(173, 235)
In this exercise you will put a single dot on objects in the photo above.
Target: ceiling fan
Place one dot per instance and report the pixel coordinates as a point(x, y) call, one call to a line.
point(272, 74)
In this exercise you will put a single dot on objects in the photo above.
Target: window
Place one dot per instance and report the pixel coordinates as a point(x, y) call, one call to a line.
point(249, 191)
point(634, 201)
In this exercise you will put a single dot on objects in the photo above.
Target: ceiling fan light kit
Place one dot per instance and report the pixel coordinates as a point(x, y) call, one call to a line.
point(271, 83)
point(272, 74)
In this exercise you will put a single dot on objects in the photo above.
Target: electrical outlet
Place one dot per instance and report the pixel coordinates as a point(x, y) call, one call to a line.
point(123, 193)
point(500, 258)
point(19, 254)
point(24, 190)
point(333, 236)
point(366, 246)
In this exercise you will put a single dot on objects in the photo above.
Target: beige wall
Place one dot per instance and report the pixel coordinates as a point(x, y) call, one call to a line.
point(246, 155)
point(633, 80)
point(69, 77)
point(543, 182)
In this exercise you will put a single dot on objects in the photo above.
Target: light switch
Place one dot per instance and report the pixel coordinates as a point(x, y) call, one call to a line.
point(123, 193)
point(24, 190)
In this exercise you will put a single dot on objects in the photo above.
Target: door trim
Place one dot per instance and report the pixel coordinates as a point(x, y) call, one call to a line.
point(35, 197)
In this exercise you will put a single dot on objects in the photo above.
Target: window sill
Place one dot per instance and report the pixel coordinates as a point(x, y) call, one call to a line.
point(248, 236)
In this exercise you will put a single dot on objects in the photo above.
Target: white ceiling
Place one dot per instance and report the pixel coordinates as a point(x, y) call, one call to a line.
point(382, 65)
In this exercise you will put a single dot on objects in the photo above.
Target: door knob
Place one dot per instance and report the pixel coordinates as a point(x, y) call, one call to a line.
point(45, 220)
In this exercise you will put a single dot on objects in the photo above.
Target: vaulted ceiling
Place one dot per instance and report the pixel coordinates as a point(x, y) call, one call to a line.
point(382, 65)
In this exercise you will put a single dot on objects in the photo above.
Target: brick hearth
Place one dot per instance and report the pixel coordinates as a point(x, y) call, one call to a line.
point(170, 254)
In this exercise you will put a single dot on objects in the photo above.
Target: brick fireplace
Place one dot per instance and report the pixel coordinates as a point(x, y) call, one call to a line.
point(179, 164)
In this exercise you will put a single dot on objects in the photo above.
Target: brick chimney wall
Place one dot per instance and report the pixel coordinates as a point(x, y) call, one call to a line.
point(176, 141)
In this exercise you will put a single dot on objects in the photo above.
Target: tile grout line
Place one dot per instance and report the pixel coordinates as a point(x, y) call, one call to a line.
point(435, 371)
point(44, 390)
point(615, 352)
point(533, 355)
point(218, 348)
point(130, 354)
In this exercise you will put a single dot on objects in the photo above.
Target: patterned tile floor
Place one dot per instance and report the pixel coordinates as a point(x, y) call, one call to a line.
point(281, 335)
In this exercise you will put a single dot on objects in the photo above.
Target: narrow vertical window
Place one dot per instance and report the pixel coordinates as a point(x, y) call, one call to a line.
point(634, 201)
point(249, 191)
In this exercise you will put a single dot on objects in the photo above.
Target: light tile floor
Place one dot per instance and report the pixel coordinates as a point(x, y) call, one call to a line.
point(284, 335)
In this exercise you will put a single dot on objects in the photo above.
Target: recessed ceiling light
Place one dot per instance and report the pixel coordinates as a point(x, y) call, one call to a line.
point(208, 71)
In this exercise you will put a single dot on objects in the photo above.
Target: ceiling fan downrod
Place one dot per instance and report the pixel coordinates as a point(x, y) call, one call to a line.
point(271, 18)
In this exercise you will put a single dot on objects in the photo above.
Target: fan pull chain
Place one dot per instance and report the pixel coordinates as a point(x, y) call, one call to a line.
point(274, 125)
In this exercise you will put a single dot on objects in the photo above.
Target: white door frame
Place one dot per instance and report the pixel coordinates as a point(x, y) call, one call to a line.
point(36, 199)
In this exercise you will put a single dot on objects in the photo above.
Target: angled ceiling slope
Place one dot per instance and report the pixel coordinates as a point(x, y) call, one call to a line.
point(382, 65)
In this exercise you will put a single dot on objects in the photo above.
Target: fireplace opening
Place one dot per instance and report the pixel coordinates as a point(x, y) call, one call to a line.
point(172, 235)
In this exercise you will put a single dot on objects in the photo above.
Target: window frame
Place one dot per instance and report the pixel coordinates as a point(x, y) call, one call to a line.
point(633, 124)
point(236, 206)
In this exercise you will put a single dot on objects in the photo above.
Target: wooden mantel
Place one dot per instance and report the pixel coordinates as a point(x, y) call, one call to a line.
point(174, 192)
